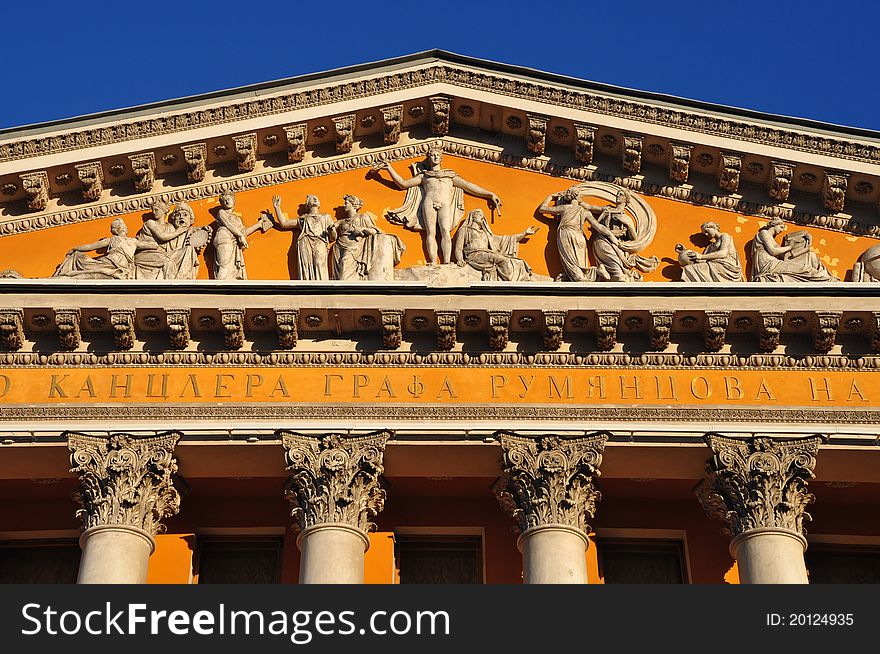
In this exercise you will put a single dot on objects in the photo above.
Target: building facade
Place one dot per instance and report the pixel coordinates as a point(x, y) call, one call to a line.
point(439, 320)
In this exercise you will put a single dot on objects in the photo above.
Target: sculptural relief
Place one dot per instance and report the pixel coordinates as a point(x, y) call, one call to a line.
point(494, 256)
point(434, 202)
point(230, 239)
point(172, 244)
point(617, 233)
point(867, 268)
point(719, 261)
point(793, 261)
point(313, 242)
point(362, 251)
point(116, 263)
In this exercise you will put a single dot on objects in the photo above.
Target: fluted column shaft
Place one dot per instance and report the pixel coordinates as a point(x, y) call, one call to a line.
point(758, 488)
point(126, 489)
point(548, 486)
point(334, 492)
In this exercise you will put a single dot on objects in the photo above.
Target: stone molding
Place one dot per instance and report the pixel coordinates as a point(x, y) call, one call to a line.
point(550, 480)
point(334, 479)
point(125, 480)
point(758, 482)
point(12, 333)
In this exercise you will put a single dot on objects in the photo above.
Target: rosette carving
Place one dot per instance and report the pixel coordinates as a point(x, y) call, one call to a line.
point(758, 482)
point(335, 479)
point(125, 480)
point(550, 479)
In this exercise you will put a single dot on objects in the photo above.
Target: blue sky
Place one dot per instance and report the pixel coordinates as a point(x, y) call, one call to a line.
point(809, 59)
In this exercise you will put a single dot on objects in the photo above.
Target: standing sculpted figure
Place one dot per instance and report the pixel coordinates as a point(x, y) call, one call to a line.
point(434, 202)
point(793, 261)
point(230, 239)
point(313, 243)
point(570, 238)
point(116, 263)
point(719, 261)
point(362, 250)
point(494, 256)
point(172, 244)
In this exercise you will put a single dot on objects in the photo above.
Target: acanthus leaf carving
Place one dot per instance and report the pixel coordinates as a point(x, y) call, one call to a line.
point(334, 479)
point(679, 162)
point(286, 321)
point(632, 154)
point(729, 172)
point(583, 147)
point(537, 135)
point(834, 191)
point(391, 328)
point(91, 176)
point(715, 330)
point(36, 186)
point(779, 181)
point(661, 329)
point(447, 323)
point(825, 334)
point(875, 332)
point(195, 157)
point(758, 482)
point(178, 327)
point(392, 119)
point(606, 329)
point(143, 168)
point(125, 480)
point(441, 105)
point(296, 142)
point(550, 480)
point(122, 321)
point(771, 328)
point(246, 151)
point(343, 127)
point(67, 323)
point(499, 329)
point(554, 322)
point(233, 328)
point(12, 328)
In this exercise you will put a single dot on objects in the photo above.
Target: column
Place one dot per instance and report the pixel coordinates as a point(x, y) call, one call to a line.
point(126, 489)
point(548, 486)
point(334, 492)
point(757, 487)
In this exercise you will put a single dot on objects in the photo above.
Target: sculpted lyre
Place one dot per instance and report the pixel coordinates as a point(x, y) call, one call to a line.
point(719, 261)
point(434, 202)
point(230, 239)
point(172, 244)
point(793, 261)
point(313, 242)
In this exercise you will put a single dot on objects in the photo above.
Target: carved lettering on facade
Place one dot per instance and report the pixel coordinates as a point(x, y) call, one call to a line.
point(195, 156)
point(729, 172)
point(335, 479)
point(246, 151)
point(758, 482)
point(550, 480)
point(296, 142)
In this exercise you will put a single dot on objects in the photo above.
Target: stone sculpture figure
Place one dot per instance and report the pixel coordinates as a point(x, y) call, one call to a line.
point(230, 239)
point(361, 250)
point(867, 268)
point(172, 244)
point(313, 242)
point(570, 238)
point(116, 263)
point(793, 261)
point(494, 256)
point(719, 261)
point(434, 202)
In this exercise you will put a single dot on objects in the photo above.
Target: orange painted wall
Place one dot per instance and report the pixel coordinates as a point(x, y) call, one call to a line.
point(272, 255)
point(171, 562)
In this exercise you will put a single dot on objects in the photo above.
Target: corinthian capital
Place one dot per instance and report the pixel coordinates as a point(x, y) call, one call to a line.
point(125, 480)
point(550, 479)
point(335, 479)
point(758, 482)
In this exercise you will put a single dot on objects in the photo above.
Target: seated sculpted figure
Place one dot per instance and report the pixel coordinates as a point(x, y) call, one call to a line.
point(362, 251)
point(313, 242)
point(116, 263)
point(494, 256)
point(719, 261)
point(793, 261)
point(230, 239)
point(176, 242)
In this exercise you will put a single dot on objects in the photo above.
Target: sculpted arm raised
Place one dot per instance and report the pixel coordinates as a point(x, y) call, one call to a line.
point(281, 217)
point(397, 179)
point(88, 247)
point(548, 207)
